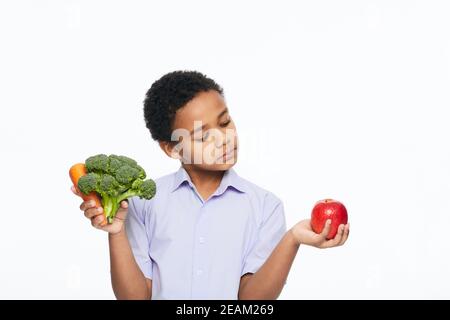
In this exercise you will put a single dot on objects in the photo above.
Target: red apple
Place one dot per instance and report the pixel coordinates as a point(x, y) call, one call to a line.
point(328, 209)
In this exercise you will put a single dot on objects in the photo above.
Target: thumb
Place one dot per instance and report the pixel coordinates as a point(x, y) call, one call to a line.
point(123, 210)
point(326, 229)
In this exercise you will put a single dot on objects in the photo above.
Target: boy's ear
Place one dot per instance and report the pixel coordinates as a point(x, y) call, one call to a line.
point(170, 149)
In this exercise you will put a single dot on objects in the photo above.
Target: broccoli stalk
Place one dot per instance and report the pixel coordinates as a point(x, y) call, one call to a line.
point(110, 207)
point(144, 189)
point(115, 178)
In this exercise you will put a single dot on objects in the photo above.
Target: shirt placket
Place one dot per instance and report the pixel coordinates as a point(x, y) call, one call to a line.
point(199, 268)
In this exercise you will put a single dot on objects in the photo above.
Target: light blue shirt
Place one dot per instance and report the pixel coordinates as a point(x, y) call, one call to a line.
point(196, 249)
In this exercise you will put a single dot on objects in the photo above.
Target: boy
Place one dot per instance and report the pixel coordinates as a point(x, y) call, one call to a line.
point(208, 233)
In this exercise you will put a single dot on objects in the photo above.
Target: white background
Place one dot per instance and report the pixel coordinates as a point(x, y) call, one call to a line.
point(340, 99)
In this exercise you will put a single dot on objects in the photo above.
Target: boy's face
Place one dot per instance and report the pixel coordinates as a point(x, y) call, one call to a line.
point(204, 135)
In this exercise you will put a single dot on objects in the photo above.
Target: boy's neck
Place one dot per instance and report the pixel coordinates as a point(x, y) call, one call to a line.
point(206, 182)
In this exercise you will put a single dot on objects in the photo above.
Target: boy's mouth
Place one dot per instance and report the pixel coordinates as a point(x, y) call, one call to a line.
point(227, 155)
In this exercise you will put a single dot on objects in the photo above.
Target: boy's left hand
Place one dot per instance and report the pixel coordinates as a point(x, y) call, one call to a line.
point(304, 234)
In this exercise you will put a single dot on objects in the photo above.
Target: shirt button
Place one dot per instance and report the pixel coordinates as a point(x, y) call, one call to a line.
point(199, 272)
point(201, 240)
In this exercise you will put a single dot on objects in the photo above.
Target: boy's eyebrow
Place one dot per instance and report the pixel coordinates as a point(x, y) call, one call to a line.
point(203, 126)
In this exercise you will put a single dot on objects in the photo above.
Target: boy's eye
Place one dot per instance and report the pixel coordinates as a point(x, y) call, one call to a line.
point(206, 136)
point(226, 123)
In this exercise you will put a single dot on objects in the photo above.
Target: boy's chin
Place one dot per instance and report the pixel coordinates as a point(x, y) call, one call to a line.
point(214, 167)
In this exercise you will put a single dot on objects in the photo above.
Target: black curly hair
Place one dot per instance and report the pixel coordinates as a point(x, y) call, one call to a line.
point(170, 93)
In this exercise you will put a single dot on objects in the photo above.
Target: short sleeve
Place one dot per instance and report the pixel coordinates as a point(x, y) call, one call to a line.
point(138, 237)
point(270, 232)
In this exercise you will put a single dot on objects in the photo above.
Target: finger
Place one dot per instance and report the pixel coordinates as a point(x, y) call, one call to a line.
point(123, 210)
point(345, 236)
point(124, 204)
point(87, 205)
point(93, 212)
point(326, 229)
point(337, 239)
point(75, 191)
point(96, 221)
point(104, 222)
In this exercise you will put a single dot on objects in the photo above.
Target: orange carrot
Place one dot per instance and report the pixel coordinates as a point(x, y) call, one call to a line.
point(76, 172)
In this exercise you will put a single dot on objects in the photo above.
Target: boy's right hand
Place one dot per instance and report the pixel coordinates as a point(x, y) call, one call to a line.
point(95, 214)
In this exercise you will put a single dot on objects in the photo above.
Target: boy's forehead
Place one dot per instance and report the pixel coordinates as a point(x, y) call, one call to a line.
point(205, 107)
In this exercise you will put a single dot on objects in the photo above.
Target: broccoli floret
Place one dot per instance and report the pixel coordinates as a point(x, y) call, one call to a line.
point(144, 189)
point(89, 183)
point(114, 164)
point(147, 190)
point(98, 163)
point(142, 174)
point(128, 161)
point(125, 175)
point(108, 185)
point(115, 178)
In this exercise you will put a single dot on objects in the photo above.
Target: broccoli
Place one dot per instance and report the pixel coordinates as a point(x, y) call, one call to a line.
point(115, 178)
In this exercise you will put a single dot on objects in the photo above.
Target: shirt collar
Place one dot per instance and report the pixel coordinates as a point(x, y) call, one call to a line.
point(230, 179)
